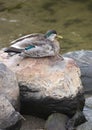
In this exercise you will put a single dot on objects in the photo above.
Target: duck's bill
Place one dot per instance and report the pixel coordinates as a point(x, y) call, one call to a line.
point(59, 36)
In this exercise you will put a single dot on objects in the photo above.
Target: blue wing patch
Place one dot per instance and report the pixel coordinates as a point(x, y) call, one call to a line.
point(29, 47)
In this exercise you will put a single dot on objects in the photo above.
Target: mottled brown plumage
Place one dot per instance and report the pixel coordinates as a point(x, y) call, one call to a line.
point(36, 45)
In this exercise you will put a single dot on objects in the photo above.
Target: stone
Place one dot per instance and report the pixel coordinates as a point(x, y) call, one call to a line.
point(83, 59)
point(56, 121)
point(47, 85)
point(9, 99)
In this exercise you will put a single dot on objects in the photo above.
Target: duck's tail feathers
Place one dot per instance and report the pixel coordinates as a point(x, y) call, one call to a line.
point(11, 49)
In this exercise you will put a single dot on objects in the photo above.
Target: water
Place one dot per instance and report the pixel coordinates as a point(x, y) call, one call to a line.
point(71, 18)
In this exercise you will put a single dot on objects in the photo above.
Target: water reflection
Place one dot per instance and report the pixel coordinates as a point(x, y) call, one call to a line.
point(71, 18)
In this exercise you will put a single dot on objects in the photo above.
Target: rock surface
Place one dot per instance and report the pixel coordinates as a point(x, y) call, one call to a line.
point(47, 85)
point(9, 99)
point(83, 59)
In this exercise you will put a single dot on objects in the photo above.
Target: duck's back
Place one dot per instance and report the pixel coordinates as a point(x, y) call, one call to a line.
point(27, 40)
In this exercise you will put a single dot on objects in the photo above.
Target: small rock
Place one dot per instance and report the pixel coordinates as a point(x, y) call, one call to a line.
point(56, 121)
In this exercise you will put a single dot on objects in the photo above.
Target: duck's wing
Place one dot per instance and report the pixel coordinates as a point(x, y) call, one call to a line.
point(34, 41)
point(41, 49)
point(21, 43)
point(42, 41)
point(38, 51)
point(29, 36)
point(47, 43)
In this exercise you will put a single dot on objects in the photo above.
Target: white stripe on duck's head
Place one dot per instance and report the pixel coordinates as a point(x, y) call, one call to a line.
point(51, 35)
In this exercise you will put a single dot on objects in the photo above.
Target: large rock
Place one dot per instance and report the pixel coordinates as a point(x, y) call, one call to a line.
point(83, 59)
point(47, 85)
point(9, 99)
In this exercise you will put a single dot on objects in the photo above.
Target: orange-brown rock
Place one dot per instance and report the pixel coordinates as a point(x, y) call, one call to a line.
point(48, 74)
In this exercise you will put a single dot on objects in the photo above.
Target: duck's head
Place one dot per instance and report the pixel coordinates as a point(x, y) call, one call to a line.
point(52, 34)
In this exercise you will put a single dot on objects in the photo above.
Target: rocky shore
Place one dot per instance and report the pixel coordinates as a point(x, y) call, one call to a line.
point(49, 87)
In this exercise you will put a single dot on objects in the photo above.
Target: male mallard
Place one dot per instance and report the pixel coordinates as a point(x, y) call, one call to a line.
point(36, 45)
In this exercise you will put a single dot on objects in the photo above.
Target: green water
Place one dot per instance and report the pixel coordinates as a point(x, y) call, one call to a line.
point(71, 18)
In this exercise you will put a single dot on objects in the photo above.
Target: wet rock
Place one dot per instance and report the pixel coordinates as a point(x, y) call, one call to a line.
point(83, 59)
point(47, 85)
point(56, 121)
point(9, 99)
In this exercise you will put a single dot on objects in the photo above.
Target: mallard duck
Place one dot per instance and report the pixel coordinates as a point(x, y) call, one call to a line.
point(36, 45)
